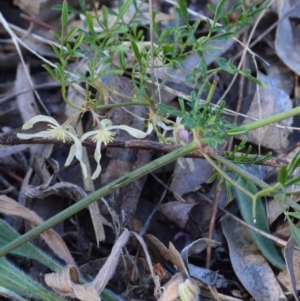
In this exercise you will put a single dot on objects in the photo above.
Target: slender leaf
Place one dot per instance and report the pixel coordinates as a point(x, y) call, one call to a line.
point(247, 73)
point(220, 11)
point(295, 162)
point(123, 9)
point(265, 245)
point(182, 10)
point(59, 7)
point(82, 6)
point(282, 175)
point(295, 231)
point(64, 16)
point(136, 51)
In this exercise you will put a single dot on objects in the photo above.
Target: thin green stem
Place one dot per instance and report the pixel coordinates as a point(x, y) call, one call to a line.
point(224, 174)
point(65, 98)
point(266, 121)
point(93, 197)
point(279, 197)
point(267, 191)
point(211, 91)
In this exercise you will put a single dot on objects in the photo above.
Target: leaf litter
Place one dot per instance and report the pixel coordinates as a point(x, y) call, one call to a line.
point(251, 274)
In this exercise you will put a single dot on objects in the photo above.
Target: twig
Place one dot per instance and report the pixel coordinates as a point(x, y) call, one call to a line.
point(279, 241)
point(38, 22)
point(213, 221)
point(12, 139)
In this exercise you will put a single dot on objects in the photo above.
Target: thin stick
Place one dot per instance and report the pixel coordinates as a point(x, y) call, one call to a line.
point(213, 221)
point(11, 139)
point(277, 240)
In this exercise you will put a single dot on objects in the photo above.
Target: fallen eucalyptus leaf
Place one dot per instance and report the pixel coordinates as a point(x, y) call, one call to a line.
point(206, 276)
point(272, 101)
point(292, 263)
point(249, 265)
point(171, 254)
point(287, 36)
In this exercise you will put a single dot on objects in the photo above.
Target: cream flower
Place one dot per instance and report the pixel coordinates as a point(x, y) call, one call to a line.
point(105, 135)
point(63, 133)
point(180, 137)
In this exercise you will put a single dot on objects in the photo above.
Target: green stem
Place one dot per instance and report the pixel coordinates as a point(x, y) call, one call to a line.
point(93, 197)
point(65, 98)
point(211, 91)
point(279, 197)
point(267, 191)
point(266, 121)
point(224, 174)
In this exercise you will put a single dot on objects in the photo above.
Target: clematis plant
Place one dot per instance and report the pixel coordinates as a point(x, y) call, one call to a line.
point(180, 137)
point(104, 134)
point(64, 132)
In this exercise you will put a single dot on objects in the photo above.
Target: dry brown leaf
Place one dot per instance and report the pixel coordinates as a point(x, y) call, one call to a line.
point(291, 276)
point(287, 34)
point(66, 282)
point(169, 291)
point(206, 276)
point(185, 181)
point(26, 101)
point(249, 265)
point(272, 101)
point(179, 287)
point(177, 212)
point(170, 254)
point(10, 207)
point(32, 7)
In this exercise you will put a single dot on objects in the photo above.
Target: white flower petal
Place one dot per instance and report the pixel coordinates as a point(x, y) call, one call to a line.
point(106, 123)
point(178, 119)
point(70, 129)
point(70, 158)
point(84, 169)
point(190, 163)
point(97, 172)
point(163, 125)
point(76, 150)
point(78, 146)
point(132, 131)
point(71, 155)
point(88, 134)
point(97, 156)
point(39, 118)
point(150, 129)
point(43, 134)
point(180, 163)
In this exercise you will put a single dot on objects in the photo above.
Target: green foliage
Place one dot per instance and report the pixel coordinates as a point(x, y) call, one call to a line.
point(104, 44)
point(7, 234)
point(105, 51)
point(207, 121)
point(16, 281)
point(246, 157)
point(265, 245)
